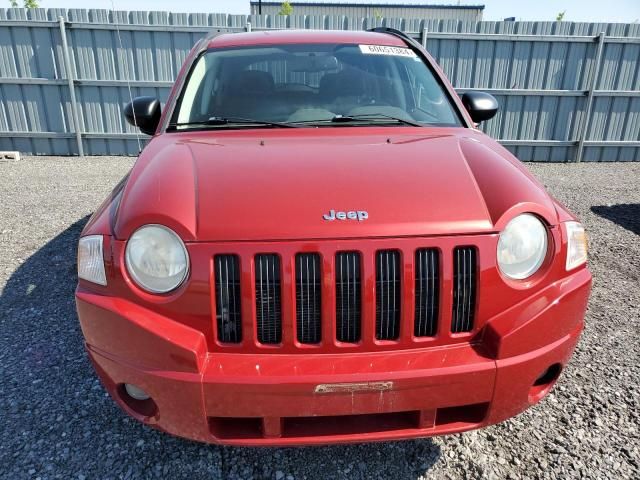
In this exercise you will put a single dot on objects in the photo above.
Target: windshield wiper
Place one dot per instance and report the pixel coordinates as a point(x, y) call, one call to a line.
point(371, 117)
point(226, 121)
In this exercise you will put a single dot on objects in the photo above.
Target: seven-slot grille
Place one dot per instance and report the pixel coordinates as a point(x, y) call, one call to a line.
point(305, 283)
point(388, 274)
point(268, 299)
point(427, 285)
point(308, 299)
point(227, 275)
point(464, 289)
point(348, 297)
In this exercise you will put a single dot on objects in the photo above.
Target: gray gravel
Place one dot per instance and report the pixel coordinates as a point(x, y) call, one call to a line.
point(57, 422)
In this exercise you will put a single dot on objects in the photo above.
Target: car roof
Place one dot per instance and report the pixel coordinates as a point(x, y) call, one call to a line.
point(274, 37)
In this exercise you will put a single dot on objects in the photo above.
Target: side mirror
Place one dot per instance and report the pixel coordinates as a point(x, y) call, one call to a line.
point(480, 105)
point(147, 114)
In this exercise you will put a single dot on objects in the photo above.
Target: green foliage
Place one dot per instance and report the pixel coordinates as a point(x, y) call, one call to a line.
point(26, 4)
point(378, 14)
point(31, 4)
point(286, 8)
point(560, 16)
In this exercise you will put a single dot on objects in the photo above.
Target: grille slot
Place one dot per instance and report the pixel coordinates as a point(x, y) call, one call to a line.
point(388, 275)
point(427, 282)
point(227, 277)
point(348, 297)
point(308, 300)
point(268, 299)
point(464, 289)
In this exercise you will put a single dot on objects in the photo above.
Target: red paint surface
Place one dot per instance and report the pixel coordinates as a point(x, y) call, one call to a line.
point(265, 191)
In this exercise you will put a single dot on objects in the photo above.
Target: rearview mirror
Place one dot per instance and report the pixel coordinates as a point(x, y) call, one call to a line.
point(147, 114)
point(480, 105)
point(313, 63)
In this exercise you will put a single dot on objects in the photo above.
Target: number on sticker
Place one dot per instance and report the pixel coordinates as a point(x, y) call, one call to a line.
point(387, 50)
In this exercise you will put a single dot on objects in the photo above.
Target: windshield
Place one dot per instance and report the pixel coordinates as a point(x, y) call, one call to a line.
point(312, 85)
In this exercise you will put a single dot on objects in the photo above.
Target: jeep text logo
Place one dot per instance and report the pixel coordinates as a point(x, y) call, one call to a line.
point(359, 215)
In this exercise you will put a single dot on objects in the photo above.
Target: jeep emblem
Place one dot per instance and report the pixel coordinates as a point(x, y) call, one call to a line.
point(359, 215)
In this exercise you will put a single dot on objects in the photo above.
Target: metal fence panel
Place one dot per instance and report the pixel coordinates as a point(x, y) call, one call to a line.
point(565, 90)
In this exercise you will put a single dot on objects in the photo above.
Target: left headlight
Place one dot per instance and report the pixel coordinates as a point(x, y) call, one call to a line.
point(90, 260)
point(157, 259)
point(522, 247)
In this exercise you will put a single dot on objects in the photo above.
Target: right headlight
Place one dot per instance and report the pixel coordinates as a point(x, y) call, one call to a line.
point(576, 245)
point(522, 247)
point(156, 259)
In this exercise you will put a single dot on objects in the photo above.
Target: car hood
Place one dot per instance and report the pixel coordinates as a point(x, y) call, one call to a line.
point(280, 184)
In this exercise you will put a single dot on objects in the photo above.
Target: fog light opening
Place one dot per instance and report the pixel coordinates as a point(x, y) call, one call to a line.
point(136, 392)
point(544, 382)
point(138, 401)
point(549, 375)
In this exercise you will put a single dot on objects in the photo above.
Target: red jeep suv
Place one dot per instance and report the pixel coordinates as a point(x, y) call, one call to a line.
point(318, 245)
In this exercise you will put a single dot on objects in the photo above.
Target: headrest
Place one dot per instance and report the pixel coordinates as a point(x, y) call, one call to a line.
point(341, 84)
point(253, 82)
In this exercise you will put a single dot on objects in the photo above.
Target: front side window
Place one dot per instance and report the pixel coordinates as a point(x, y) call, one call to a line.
point(315, 85)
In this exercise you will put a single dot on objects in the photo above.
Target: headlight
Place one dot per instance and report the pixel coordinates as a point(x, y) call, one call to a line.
point(90, 260)
point(522, 247)
point(156, 259)
point(576, 245)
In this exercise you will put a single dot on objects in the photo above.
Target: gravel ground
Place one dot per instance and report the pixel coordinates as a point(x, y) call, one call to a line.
point(56, 420)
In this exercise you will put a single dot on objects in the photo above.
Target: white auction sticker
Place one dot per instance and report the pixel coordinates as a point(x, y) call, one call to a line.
point(387, 50)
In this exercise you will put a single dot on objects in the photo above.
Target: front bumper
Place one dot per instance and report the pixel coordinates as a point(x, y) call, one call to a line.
point(293, 399)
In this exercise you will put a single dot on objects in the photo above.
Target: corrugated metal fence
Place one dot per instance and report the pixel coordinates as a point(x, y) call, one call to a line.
point(568, 91)
point(471, 13)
